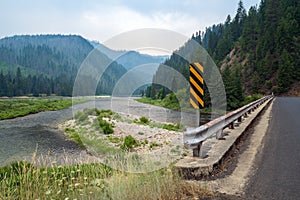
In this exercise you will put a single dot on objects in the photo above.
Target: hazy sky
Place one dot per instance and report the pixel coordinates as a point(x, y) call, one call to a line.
point(101, 19)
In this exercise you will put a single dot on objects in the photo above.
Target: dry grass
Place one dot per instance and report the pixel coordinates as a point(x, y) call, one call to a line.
point(23, 180)
point(125, 176)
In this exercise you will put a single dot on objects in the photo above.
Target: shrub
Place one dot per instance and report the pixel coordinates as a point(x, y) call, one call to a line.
point(114, 139)
point(129, 143)
point(144, 120)
point(154, 144)
point(105, 113)
point(171, 127)
point(105, 126)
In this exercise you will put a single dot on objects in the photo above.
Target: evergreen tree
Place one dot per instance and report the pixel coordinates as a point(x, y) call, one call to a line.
point(233, 87)
point(3, 84)
point(19, 83)
point(285, 72)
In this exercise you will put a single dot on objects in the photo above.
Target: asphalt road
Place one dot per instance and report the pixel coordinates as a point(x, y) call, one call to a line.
point(278, 165)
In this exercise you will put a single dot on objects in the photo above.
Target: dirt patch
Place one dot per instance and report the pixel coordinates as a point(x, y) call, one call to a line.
point(294, 91)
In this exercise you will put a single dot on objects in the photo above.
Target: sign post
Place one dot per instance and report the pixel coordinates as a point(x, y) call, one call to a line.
point(196, 95)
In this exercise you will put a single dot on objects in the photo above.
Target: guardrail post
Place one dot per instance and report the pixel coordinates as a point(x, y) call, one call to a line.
point(219, 134)
point(231, 125)
point(240, 119)
point(197, 152)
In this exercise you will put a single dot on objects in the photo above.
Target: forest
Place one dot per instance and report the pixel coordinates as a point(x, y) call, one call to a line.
point(48, 64)
point(257, 52)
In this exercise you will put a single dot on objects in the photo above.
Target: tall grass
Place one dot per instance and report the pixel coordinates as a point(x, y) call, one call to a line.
point(22, 180)
point(123, 176)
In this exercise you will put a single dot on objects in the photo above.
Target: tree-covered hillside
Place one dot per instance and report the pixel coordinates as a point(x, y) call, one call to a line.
point(48, 64)
point(257, 51)
point(261, 46)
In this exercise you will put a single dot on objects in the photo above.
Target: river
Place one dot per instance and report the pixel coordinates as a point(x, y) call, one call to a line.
point(36, 137)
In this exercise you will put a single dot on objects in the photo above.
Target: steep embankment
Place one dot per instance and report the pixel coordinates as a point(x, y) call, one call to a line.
point(266, 54)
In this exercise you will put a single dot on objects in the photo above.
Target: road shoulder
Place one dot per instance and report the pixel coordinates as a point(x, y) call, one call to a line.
point(235, 183)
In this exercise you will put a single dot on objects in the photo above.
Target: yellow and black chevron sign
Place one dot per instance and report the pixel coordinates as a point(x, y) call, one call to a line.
point(196, 85)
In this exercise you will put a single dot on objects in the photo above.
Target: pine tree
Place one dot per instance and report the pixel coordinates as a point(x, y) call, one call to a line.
point(285, 72)
point(3, 85)
point(250, 31)
point(19, 83)
point(238, 21)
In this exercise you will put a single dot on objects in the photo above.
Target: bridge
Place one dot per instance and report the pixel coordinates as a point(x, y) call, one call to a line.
point(264, 137)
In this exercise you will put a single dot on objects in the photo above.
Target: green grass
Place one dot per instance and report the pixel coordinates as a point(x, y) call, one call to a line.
point(249, 99)
point(174, 105)
point(115, 140)
point(88, 139)
point(169, 127)
point(157, 102)
point(99, 147)
point(12, 108)
point(90, 136)
point(73, 135)
point(154, 144)
point(170, 104)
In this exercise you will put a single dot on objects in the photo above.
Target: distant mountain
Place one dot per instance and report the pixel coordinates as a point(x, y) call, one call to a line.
point(49, 64)
point(48, 54)
point(131, 59)
point(128, 59)
point(112, 54)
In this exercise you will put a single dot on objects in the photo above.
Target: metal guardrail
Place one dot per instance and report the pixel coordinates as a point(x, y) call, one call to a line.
point(193, 138)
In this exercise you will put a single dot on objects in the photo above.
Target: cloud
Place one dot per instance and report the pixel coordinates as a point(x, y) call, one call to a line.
point(100, 20)
point(111, 20)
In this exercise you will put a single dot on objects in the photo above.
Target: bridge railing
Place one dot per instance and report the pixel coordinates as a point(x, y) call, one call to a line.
point(193, 138)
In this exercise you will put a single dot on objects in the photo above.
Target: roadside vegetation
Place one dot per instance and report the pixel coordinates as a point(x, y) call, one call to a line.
point(123, 174)
point(173, 101)
point(12, 108)
point(93, 129)
point(170, 102)
point(22, 180)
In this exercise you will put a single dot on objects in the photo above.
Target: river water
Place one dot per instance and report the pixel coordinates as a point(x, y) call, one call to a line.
point(37, 138)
